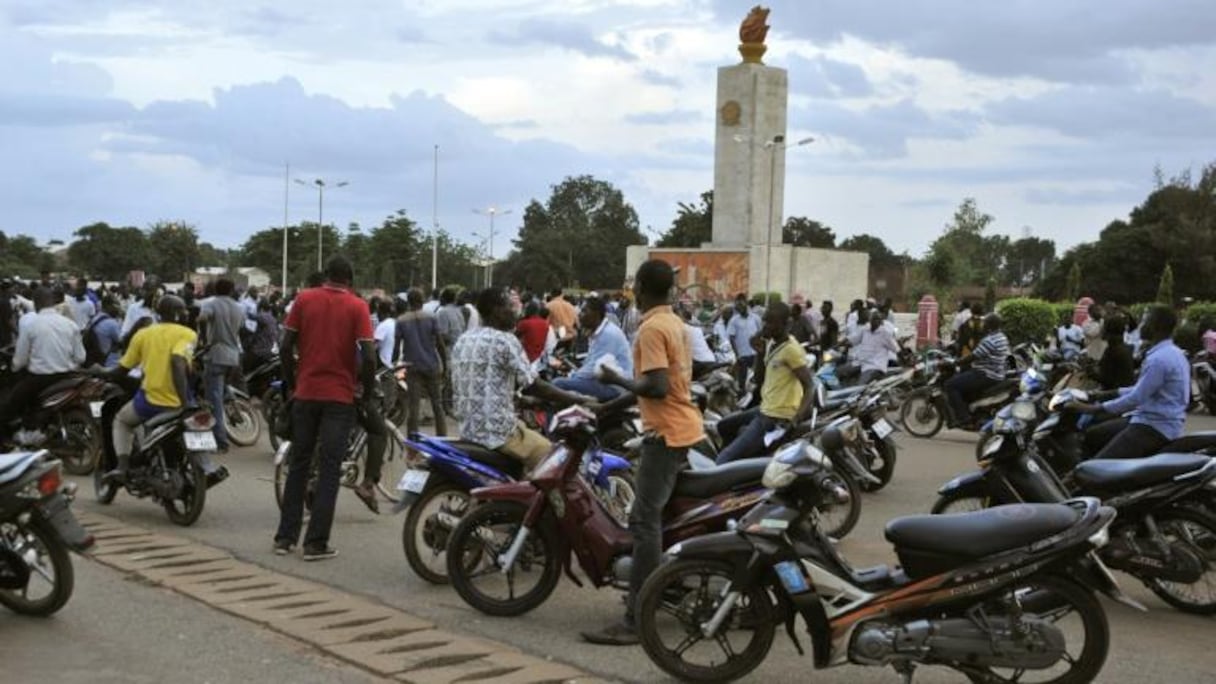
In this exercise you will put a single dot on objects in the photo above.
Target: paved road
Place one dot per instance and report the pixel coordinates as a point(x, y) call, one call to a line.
point(1160, 646)
point(122, 632)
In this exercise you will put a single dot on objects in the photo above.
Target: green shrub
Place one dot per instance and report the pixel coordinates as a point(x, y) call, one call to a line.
point(1199, 312)
point(762, 299)
point(1063, 310)
point(1187, 335)
point(1028, 320)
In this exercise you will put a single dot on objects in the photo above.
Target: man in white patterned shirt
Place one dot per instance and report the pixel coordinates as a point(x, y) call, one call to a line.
point(488, 367)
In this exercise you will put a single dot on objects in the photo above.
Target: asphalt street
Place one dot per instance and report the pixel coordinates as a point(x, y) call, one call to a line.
point(1162, 645)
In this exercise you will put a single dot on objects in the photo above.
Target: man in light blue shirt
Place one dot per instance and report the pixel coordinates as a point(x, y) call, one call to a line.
point(608, 342)
point(1157, 403)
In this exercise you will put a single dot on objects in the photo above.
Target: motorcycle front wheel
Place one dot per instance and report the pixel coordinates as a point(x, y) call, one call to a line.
point(241, 422)
point(683, 595)
point(186, 508)
point(920, 415)
point(881, 464)
point(1196, 531)
point(482, 537)
point(50, 569)
point(836, 520)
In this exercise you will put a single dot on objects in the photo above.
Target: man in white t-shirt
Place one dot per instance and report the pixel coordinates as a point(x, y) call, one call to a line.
point(386, 333)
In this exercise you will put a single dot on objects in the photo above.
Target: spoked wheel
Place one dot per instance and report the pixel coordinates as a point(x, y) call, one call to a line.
point(682, 596)
point(272, 406)
point(241, 422)
point(838, 519)
point(920, 416)
point(427, 528)
point(280, 482)
point(187, 506)
point(78, 446)
point(475, 569)
point(880, 461)
point(1196, 532)
point(959, 504)
point(51, 577)
point(1072, 611)
point(618, 498)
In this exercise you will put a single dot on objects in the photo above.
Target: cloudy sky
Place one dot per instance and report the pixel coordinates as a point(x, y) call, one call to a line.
point(1052, 114)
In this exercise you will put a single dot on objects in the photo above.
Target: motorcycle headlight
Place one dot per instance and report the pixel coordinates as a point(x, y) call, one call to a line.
point(1024, 410)
point(778, 474)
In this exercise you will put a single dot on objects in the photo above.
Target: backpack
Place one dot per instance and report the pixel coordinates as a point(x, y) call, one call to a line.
point(92, 347)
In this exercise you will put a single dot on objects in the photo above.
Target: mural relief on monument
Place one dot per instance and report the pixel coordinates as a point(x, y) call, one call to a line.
point(732, 113)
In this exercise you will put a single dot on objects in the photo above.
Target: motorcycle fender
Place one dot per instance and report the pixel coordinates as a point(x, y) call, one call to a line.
point(410, 498)
point(890, 440)
point(974, 483)
point(519, 492)
point(810, 607)
point(55, 511)
point(1091, 572)
point(729, 546)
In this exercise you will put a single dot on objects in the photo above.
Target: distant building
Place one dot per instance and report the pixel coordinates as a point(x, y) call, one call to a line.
point(244, 277)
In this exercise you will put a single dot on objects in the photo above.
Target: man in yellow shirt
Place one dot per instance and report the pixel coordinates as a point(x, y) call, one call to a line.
point(165, 351)
point(785, 393)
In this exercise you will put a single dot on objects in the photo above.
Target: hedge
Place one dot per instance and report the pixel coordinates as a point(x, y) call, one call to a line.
point(1028, 320)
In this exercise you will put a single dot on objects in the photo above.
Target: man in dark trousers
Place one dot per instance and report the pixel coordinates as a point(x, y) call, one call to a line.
point(326, 326)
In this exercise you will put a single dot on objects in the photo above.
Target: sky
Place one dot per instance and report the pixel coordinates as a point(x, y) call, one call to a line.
point(1052, 115)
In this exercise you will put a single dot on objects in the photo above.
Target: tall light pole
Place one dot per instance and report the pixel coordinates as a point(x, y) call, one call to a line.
point(286, 192)
point(777, 143)
point(492, 212)
point(321, 185)
point(435, 225)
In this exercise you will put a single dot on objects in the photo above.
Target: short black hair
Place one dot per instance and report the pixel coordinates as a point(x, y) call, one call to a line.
point(448, 296)
point(489, 299)
point(414, 297)
point(1161, 317)
point(596, 304)
point(339, 270)
point(225, 287)
point(779, 309)
point(655, 278)
point(555, 292)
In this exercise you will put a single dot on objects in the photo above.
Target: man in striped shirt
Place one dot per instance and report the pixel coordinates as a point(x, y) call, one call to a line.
point(989, 362)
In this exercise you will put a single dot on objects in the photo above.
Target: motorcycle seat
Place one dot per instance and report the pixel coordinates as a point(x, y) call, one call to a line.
point(162, 418)
point(1110, 474)
point(1196, 441)
point(65, 384)
point(1001, 387)
point(702, 484)
point(14, 464)
point(489, 457)
point(982, 533)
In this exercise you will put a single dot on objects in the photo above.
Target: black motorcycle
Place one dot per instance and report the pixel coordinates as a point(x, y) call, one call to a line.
point(1165, 535)
point(37, 529)
point(169, 458)
point(993, 594)
point(925, 409)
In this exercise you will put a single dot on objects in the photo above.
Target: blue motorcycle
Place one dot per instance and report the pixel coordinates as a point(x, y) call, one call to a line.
point(436, 491)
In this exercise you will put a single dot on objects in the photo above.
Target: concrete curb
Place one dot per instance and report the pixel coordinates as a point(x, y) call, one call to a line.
point(368, 635)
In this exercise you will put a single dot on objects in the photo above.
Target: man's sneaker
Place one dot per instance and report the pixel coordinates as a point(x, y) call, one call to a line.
point(217, 476)
point(29, 438)
point(616, 634)
point(320, 553)
point(283, 548)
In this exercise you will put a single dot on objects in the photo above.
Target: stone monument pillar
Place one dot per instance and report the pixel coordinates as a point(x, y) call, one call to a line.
point(749, 154)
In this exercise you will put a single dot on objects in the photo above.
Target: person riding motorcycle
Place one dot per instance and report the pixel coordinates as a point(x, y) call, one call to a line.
point(872, 348)
point(164, 351)
point(49, 348)
point(1157, 402)
point(989, 362)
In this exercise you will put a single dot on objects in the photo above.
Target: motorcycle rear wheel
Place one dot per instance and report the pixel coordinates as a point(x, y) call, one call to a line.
point(241, 422)
point(471, 556)
point(838, 520)
point(1197, 530)
point(186, 510)
point(920, 416)
point(883, 471)
point(959, 504)
point(422, 537)
point(52, 556)
point(81, 447)
point(681, 596)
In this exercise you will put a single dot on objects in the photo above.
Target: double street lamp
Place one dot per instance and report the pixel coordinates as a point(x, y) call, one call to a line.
point(321, 185)
point(491, 212)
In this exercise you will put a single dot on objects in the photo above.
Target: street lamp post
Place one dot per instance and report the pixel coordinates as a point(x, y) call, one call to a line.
point(321, 185)
point(777, 143)
point(435, 225)
point(492, 212)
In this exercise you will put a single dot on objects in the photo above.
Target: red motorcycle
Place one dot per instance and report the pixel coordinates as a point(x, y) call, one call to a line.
point(524, 531)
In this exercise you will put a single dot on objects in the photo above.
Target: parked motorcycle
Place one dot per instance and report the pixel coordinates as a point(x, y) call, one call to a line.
point(520, 536)
point(37, 529)
point(168, 459)
point(241, 423)
point(1203, 382)
point(994, 594)
point(1165, 535)
point(436, 491)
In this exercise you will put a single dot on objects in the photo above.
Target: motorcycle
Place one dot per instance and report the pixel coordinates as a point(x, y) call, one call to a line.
point(37, 529)
point(525, 531)
point(1165, 535)
point(436, 491)
point(241, 423)
point(1203, 383)
point(993, 594)
point(169, 458)
point(66, 413)
point(924, 412)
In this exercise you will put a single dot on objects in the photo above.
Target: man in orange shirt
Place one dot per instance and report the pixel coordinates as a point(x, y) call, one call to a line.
point(662, 366)
point(562, 315)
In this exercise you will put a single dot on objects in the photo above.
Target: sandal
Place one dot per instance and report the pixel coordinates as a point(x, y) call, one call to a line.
point(367, 494)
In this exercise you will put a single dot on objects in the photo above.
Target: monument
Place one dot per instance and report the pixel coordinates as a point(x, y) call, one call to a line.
point(746, 253)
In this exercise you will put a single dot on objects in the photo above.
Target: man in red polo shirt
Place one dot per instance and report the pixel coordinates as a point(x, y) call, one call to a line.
point(326, 326)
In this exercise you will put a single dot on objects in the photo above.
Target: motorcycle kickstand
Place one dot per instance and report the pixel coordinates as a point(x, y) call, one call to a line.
point(905, 669)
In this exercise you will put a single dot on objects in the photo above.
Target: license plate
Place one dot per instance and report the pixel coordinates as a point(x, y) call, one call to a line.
point(95, 407)
point(882, 428)
point(413, 481)
point(200, 441)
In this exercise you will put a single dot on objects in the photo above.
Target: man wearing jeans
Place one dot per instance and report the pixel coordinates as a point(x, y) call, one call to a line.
point(326, 326)
point(607, 343)
point(220, 320)
point(662, 364)
point(785, 394)
point(422, 348)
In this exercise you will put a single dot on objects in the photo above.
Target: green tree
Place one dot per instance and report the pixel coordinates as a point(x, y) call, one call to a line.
point(109, 253)
point(577, 238)
point(1165, 289)
point(804, 232)
point(173, 249)
point(394, 259)
point(1028, 260)
point(976, 257)
point(20, 256)
point(264, 250)
point(881, 255)
point(693, 225)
